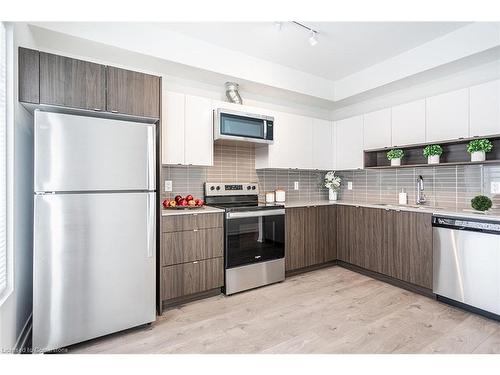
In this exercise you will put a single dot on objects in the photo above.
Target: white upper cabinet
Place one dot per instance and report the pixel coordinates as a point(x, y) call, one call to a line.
point(485, 109)
point(198, 133)
point(349, 135)
point(377, 129)
point(187, 136)
point(322, 146)
point(447, 116)
point(172, 130)
point(292, 147)
point(408, 123)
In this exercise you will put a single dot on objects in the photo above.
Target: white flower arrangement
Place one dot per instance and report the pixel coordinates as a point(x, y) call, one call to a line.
point(332, 182)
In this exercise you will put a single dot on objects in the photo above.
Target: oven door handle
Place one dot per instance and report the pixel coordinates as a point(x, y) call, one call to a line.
point(241, 215)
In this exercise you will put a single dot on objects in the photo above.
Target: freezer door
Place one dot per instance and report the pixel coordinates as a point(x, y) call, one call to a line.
point(94, 266)
point(78, 153)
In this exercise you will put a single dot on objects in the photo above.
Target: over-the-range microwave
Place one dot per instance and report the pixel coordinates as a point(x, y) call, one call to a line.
point(242, 126)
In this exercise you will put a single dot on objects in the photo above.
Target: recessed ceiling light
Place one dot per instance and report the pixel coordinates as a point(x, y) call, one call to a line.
point(313, 40)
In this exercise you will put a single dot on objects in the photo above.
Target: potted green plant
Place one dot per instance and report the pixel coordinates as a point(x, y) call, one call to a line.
point(432, 153)
point(477, 148)
point(395, 156)
point(481, 203)
point(332, 182)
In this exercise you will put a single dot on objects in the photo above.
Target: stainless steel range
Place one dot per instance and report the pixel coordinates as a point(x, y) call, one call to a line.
point(254, 245)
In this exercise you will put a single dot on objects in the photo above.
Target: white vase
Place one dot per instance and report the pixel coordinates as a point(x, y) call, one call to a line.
point(433, 159)
point(332, 195)
point(395, 162)
point(478, 156)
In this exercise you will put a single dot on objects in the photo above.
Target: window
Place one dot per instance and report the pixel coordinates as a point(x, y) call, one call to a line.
point(3, 161)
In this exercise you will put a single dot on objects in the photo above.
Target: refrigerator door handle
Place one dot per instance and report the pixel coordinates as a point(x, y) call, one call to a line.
point(151, 157)
point(151, 225)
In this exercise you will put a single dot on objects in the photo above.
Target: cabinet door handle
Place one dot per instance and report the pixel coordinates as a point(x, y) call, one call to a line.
point(195, 262)
point(195, 230)
point(97, 109)
point(114, 111)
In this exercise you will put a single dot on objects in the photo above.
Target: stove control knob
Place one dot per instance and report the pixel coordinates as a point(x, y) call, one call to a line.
point(248, 187)
point(212, 187)
point(218, 187)
point(253, 187)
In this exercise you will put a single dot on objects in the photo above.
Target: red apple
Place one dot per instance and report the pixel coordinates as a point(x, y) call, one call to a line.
point(172, 203)
point(166, 203)
point(199, 202)
point(189, 197)
point(177, 198)
point(191, 203)
point(183, 202)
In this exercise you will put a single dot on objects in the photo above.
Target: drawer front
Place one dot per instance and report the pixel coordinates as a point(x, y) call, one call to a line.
point(194, 277)
point(188, 246)
point(192, 221)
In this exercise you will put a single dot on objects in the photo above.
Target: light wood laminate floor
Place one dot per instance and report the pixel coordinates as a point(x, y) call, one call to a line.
point(332, 310)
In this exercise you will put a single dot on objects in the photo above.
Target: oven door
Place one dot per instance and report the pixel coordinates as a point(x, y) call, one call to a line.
point(254, 236)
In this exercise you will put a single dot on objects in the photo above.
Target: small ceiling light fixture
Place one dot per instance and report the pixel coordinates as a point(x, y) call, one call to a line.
point(278, 25)
point(313, 38)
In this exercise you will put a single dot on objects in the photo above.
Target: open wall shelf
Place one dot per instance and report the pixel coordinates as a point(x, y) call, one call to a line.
point(454, 153)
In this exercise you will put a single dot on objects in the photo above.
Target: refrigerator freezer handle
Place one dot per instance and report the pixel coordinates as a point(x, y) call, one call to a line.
point(151, 224)
point(151, 157)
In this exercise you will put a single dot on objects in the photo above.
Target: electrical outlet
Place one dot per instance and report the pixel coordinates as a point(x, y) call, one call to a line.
point(349, 185)
point(495, 187)
point(296, 185)
point(168, 185)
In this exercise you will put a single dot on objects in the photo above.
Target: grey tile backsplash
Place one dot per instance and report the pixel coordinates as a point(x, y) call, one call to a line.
point(449, 187)
point(235, 163)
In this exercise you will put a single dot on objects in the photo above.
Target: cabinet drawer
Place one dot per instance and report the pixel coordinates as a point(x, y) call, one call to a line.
point(187, 246)
point(191, 221)
point(194, 277)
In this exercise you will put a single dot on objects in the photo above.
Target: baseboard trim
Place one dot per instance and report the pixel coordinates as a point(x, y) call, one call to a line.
point(174, 302)
point(387, 279)
point(310, 268)
point(22, 343)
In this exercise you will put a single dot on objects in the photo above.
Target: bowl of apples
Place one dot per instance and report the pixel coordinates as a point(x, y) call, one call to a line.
point(181, 203)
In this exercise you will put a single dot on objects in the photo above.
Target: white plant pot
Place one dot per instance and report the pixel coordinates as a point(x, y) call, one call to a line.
point(332, 195)
point(395, 162)
point(433, 159)
point(478, 156)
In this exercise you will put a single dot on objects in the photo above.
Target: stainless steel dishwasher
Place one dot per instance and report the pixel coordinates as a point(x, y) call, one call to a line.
point(467, 262)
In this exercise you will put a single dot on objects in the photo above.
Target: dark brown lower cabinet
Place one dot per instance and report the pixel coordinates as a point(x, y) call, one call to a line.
point(191, 256)
point(309, 236)
point(412, 250)
point(193, 277)
point(390, 242)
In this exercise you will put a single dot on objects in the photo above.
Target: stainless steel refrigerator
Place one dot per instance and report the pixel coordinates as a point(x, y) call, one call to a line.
point(94, 228)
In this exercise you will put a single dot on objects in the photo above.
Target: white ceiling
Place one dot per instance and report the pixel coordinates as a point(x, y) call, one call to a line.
point(344, 48)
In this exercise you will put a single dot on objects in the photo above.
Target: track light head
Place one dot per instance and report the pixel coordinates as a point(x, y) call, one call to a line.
point(313, 40)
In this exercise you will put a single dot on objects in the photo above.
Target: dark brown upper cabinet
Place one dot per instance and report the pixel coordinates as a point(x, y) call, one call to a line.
point(29, 75)
point(133, 93)
point(72, 83)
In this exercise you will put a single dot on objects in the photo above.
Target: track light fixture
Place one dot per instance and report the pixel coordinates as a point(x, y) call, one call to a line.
point(313, 37)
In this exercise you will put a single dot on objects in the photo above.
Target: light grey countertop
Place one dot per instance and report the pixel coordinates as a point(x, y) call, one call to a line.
point(495, 215)
point(190, 211)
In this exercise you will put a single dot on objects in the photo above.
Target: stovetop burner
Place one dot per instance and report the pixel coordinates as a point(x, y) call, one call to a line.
point(237, 196)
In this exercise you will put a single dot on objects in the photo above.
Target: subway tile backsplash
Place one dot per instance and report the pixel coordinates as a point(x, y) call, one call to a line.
point(449, 187)
point(236, 163)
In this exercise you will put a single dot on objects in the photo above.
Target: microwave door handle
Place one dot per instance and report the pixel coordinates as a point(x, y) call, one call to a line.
point(265, 129)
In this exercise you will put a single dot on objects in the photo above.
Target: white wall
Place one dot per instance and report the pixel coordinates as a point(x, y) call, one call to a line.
point(16, 310)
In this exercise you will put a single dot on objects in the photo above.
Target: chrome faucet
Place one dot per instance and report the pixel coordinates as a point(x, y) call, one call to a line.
point(420, 191)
